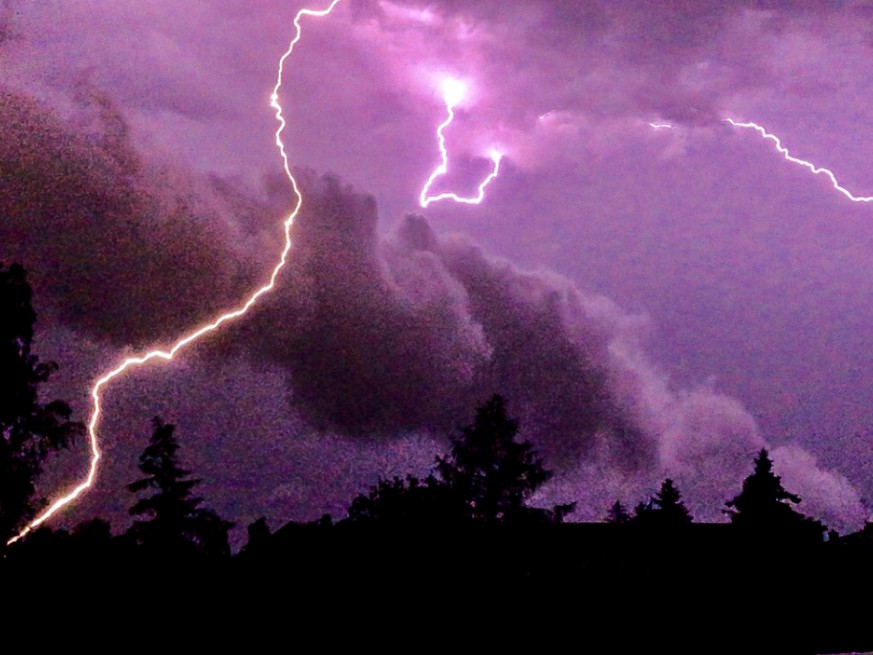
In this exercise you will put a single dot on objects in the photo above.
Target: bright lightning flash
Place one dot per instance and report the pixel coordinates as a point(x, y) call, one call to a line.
point(167, 355)
point(454, 91)
point(817, 170)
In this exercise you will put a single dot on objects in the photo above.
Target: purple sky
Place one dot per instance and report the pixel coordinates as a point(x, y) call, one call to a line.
point(651, 302)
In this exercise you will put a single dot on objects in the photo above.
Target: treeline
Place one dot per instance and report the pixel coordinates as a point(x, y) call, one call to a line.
point(768, 580)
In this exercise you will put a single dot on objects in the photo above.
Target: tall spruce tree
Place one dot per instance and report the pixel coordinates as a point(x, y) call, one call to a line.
point(764, 506)
point(494, 474)
point(176, 524)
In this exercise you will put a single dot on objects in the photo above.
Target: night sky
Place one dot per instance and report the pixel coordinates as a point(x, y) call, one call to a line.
point(651, 302)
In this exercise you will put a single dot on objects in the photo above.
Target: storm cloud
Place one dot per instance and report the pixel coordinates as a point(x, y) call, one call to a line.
point(133, 145)
point(124, 250)
point(404, 334)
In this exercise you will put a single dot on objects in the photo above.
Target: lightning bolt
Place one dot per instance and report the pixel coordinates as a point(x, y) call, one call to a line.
point(661, 126)
point(166, 355)
point(816, 170)
point(453, 93)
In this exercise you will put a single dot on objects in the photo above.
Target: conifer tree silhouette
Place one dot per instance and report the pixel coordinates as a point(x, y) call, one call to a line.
point(176, 523)
point(765, 506)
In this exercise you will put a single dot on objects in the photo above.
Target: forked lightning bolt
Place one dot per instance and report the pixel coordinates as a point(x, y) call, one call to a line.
point(133, 362)
point(816, 170)
point(453, 93)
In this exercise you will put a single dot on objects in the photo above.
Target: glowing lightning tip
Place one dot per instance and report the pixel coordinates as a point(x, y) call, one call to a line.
point(454, 91)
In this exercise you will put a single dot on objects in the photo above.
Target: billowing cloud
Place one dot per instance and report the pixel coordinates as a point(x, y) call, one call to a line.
point(826, 495)
point(386, 337)
point(378, 337)
point(120, 248)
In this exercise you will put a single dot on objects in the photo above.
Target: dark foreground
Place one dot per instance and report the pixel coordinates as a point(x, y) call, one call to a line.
point(604, 588)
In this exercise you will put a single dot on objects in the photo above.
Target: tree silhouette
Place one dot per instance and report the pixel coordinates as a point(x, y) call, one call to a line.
point(617, 514)
point(176, 523)
point(664, 509)
point(492, 472)
point(671, 509)
point(409, 501)
point(763, 504)
point(30, 430)
point(487, 476)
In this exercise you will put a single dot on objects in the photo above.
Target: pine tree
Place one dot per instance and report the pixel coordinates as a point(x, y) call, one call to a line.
point(765, 506)
point(492, 472)
point(617, 514)
point(176, 523)
point(671, 509)
point(664, 510)
point(29, 429)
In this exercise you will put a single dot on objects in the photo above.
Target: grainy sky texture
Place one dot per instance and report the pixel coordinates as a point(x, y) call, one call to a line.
point(651, 302)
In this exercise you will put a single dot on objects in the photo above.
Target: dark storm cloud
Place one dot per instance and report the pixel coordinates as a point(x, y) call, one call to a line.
point(386, 337)
point(382, 336)
point(406, 335)
point(117, 248)
point(378, 337)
